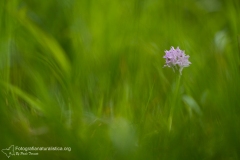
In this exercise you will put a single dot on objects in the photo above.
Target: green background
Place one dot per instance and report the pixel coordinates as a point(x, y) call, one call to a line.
point(88, 74)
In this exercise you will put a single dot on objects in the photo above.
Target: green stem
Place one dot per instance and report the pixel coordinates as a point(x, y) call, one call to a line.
point(174, 101)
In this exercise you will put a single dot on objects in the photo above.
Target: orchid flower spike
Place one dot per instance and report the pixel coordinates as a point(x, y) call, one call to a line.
point(176, 59)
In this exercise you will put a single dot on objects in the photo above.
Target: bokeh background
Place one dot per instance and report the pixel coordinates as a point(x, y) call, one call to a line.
point(88, 74)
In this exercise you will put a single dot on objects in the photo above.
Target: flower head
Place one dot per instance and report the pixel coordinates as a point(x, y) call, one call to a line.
point(176, 59)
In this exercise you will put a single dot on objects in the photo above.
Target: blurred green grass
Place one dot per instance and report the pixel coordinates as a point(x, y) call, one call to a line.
point(88, 75)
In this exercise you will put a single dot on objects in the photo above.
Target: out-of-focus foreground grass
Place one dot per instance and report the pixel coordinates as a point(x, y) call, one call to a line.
point(88, 75)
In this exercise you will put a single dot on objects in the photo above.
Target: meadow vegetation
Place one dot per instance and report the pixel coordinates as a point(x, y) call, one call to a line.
point(88, 74)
